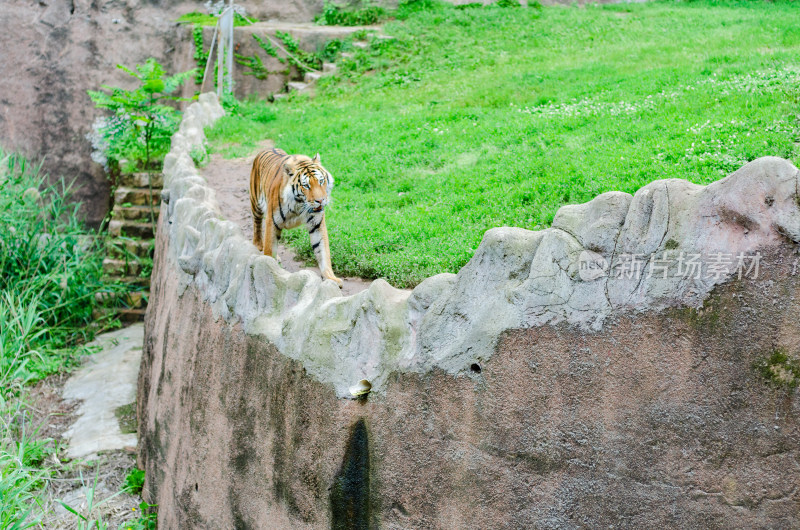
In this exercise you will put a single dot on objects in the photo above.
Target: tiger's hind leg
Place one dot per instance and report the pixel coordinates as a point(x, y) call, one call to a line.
point(258, 229)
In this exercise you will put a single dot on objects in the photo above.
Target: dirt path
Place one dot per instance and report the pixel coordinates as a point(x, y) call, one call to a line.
point(78, 411)
point(231, 180)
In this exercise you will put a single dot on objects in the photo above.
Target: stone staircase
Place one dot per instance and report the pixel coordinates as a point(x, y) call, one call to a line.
point(308, 83)
point(310, 78)
point(131, 243)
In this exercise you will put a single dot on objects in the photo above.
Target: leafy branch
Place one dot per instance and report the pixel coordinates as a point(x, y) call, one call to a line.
point(141, 124)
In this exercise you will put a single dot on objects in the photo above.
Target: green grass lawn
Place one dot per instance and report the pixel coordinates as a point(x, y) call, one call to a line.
point(482, 117)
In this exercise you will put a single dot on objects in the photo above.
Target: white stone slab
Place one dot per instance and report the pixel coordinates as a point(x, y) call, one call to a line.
point(105, 382)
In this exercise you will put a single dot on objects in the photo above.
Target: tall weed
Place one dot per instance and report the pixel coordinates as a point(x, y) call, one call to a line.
point(19, 480)
point(50, 276)
point(50, 271)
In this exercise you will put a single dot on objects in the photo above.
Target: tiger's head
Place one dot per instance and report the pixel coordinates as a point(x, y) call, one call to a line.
point(311, 183)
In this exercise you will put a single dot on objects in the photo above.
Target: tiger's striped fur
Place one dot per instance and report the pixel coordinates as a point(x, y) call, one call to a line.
point(287, 191)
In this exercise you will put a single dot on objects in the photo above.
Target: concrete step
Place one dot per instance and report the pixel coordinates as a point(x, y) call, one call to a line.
point(130, 300)
point(361, 45)
point(142, 213)
point(136, 197)
point(142, 180)
point(279, 96)
point(311, 77)
point(296, 86)
point(346, 55)
point(121, 267)
point(124, 314)
point(107, 379)
point(138, 229)
point(329, 68)
point(136, 283)
point(124, 247)
point(131, 315)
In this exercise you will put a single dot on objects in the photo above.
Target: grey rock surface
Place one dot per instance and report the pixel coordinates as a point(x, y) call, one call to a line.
point(658, 420)
point(106, 382)
point(53, 51)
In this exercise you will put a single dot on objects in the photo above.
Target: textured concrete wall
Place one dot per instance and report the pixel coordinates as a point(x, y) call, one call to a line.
point(524, 391)
point(55, 50)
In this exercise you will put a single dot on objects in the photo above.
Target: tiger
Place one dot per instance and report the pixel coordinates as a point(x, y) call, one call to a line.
point(287, 191)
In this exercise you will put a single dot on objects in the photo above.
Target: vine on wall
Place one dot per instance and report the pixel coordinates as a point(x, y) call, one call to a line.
point(200, 55)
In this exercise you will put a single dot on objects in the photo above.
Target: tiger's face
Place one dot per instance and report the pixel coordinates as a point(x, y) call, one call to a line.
point(311, 182)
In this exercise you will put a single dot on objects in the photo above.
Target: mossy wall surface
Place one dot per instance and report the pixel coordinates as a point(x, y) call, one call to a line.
point(659, 419)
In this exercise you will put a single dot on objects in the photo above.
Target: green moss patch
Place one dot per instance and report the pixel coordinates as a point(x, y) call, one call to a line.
point(780, 369)
point(126, 417)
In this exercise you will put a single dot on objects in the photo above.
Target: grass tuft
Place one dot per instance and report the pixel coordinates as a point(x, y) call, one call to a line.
point(50, 276)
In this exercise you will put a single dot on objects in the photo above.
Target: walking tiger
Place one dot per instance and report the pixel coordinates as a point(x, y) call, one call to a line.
point(287, 191)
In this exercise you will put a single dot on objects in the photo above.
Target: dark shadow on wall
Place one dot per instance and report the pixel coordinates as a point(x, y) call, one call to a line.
point(350, 490)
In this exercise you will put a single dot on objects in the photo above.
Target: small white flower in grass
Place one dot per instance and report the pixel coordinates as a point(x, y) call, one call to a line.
point(31, 195)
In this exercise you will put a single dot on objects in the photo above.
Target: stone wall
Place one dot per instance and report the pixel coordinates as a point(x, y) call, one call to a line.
point(53, 51)
point(532, 389)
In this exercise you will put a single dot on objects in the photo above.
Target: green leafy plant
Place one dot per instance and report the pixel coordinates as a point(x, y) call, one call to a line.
point(407, 8)
point(340, 15)
point(255, 64)
point(304, 60)
point(268, 47)
point(134, 481)
point(780, 369)
point(50, 279)
point(50, 272)
point(147, 519)
point(19, 480)
point(200, 55)
point(297, 56)
point(199, 156)
point(141, 124)
point(330, 50)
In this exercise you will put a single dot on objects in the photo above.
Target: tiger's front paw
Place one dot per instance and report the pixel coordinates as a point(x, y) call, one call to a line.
point(330, 276)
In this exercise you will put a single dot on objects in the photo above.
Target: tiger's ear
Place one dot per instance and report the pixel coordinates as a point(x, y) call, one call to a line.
point(288, 166)
point(315, 159)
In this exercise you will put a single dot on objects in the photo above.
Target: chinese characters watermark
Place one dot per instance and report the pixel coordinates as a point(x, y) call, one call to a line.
point(697, 266)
